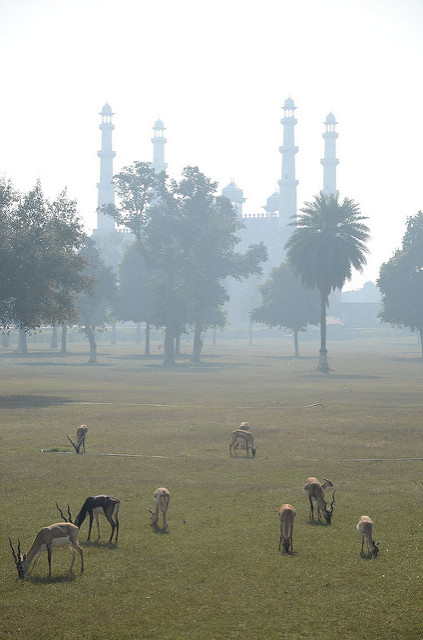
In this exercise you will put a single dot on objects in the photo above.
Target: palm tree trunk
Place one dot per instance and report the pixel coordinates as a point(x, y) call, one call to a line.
point(297, 353)
point(323, 364)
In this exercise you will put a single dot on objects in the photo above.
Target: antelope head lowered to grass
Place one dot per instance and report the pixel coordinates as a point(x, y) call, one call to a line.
point(286, 520)
point(58, 534)
point(81, 434)
point(242, 435)
point(314, 490)
point(161, 505)
point(108, 506)
point(365, 529)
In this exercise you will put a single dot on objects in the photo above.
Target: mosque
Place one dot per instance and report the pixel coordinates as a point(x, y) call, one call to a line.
point(273, 226)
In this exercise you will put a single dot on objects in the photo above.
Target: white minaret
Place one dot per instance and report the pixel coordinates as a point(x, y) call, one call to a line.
point(159, 142)
point(330, 160)
point(106, 188)
point(288, 183)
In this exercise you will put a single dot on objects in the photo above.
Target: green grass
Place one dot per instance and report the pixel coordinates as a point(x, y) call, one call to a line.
point(216, 574)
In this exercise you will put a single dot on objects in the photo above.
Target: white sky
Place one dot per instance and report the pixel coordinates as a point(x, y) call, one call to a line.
point(217, 73)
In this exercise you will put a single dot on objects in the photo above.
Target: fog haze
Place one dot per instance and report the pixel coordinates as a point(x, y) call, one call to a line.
point(217, 74)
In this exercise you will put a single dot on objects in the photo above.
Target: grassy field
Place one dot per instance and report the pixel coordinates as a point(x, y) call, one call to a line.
point(216, 573)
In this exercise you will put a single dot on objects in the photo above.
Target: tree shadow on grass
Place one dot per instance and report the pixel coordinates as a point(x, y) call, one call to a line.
point(19, 401)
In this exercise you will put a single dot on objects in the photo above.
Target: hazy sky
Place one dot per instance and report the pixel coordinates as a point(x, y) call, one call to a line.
point(217, 73)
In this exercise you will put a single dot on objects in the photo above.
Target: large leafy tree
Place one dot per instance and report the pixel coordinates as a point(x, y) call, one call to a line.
point(136, 298)
point(327, 244)
point(95, 306)
point(401, 281)
point(43, 270)
point(287, 303)
point(187, 236)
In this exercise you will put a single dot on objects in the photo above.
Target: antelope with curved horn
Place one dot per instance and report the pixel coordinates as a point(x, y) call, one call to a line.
point(365, 529)
point(58, 534)
point(286, 520)
point(314, 490)
point(161, 504)
point(81, 434)
point(95, 506)
point(247, 437)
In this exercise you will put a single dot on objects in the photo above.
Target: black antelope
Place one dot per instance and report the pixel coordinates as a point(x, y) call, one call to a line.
point(365, 529)
point(56, 535)
point(314, 490)
point(161, 505)
point(286, 520)
point(81, 434)
point(247, 437)
point(107, 506)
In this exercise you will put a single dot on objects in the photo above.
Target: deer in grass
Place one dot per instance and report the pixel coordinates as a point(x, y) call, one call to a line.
point(81, 434)
point(314, 490)
point(242, 435)
point(365, 529)
point(286, 520)
point(58, 534)
point(94, 506)
point(161, 505)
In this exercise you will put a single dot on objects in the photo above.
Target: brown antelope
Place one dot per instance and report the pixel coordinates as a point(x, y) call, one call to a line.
point(247, 437)
point(314, 490)
point(107, 506)
point(81, 434)
point(286, 520)
point(161, 504)
point(58, 534)
point(365, 529)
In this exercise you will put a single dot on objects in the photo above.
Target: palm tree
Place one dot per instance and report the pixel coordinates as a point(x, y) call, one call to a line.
point(327, 244)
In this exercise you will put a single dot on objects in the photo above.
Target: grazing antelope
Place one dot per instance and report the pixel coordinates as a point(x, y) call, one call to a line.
point(247, 437)
point(244, 427)
point(58, 534)
point(161, 504)
point(286, 519)
point(81, 434)
point(314, 489)
point(365, 529)
point(107, 506)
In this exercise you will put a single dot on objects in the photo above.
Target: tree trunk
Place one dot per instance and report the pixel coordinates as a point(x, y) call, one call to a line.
point(138, 333)
point(297, 353)
point(177, 343)
point(147, 338)
point(323, 364)
point(64, 334)
point(93, 344)
point(197, 343)
point(54, 337)
point(22, 343)
point(169, 347)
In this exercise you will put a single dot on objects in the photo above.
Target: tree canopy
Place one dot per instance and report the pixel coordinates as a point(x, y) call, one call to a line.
point(287, 303)
point(42, 270)
point(401, 281)
point(327, 244)
point(187, 237)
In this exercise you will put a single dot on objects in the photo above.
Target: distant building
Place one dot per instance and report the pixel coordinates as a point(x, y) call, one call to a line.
point(106, 188)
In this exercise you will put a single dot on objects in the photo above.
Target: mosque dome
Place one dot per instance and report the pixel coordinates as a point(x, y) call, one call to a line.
point(272, 203)
point(233, 193)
